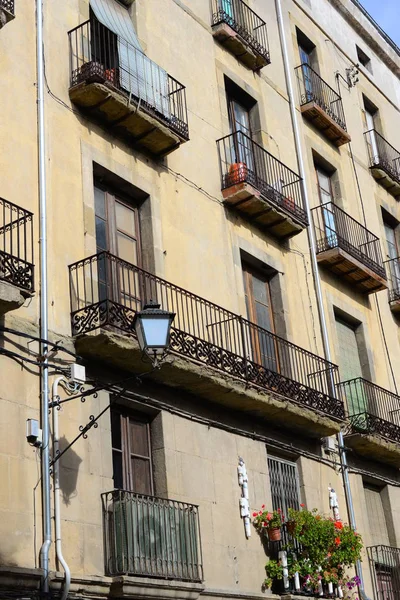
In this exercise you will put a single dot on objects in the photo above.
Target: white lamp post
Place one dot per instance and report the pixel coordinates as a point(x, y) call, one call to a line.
point(152, 327)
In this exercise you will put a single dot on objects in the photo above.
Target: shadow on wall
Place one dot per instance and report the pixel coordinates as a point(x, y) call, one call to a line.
point(69, 464)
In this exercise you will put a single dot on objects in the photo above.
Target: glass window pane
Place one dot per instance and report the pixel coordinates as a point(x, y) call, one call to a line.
point(100, 203)
point(141, 476)
point(263, 316)
point(117, 470)
point(101, 234)
point(125, 218)
point(116, 430)
point(260, 290)
point(127, 248)
point(139, 441)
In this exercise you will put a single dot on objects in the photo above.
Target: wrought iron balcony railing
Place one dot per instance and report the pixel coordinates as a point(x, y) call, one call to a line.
point(372, 409)
point(107, 291)
point(242, 160)
point(393, 271)
point(242, 19)
point(149, 536)
point(98, 54)
point(382, 155)
point(7, 5)
point(312, 88)
point(16, 246)
point(384, 564)
point(335, 228)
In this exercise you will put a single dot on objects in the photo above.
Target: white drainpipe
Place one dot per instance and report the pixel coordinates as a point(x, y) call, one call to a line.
point(44, 380)
point(56, 480)
point(314, 263)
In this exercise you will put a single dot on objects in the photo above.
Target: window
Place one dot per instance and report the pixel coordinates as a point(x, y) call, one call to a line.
point(325, 193)
point(260, 312)
point(117, 226)
point(308, 60)
point(371, 126)
point(363, 59)
point(390, 224)
point(349, 356)
point(243, 119)
point(378, 530)
point(284, 482)
point(307, 49)
point(117, 231)
point(131, 450)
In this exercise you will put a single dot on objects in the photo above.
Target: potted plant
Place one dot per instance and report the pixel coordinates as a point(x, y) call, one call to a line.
point(237, 173)
point(269, 523)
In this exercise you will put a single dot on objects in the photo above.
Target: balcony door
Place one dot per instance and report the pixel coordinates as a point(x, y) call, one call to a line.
point(324, 183)
point(117, 232)
point(226, 6)
point(239, 123)
point(306, 62)
point(260, 314)
point(393, 256)
point(371, 137)
point(350, 368)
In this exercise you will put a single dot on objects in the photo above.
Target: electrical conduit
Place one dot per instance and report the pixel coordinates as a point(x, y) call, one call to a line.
point(314, 263)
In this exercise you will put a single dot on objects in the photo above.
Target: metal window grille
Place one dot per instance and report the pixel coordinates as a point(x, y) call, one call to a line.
point(284, 481)
point(384, 563)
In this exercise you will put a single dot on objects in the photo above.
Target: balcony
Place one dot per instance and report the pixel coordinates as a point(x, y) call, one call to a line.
point(260, 187)
point(384, 162)
point(118, 86)
point(241, 31)
point(348, 249)
point(6, 11)
point(320, 104)
point(152, 537)
point(384, 564)
point(215, 353)
point(393, 272)
point(16, 255)
point(374, 415)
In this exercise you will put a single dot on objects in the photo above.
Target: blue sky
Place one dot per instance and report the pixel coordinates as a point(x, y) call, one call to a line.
point(387, 14)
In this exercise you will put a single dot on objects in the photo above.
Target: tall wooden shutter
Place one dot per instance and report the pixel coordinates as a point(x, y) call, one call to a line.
point(376, 516)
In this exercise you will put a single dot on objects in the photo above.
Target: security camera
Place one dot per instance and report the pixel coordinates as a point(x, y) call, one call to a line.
point(34, 434)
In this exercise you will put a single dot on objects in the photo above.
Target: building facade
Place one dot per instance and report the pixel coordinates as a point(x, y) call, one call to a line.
point(175, 173)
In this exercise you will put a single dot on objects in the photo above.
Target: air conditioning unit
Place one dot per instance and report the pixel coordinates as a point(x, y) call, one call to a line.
point(329, 444)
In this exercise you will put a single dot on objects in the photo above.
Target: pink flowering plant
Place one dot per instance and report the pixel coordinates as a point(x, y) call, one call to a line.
point(319, 549)
point(264, 519)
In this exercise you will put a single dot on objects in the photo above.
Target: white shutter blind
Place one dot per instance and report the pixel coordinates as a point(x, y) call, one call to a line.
point(139, 75)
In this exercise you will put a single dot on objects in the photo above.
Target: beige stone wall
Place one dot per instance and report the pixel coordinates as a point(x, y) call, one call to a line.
point(197, 245)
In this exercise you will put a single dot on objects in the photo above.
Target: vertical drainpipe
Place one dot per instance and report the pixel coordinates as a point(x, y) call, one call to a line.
point(44, 383)
point(314, 263)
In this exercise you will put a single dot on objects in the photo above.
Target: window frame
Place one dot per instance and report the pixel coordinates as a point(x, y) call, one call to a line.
point(125, 418)
point(284, 503)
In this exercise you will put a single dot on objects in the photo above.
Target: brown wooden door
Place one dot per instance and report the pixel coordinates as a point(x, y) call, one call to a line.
point(260, 313)
point(131, 447)
point(118, 232)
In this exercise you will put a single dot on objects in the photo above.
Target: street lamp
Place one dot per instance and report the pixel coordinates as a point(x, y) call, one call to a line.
point(152, 327)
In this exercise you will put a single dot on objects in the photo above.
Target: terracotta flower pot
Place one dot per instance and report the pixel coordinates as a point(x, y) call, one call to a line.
point(274, 534)
point(237, 173)
point(111, 75)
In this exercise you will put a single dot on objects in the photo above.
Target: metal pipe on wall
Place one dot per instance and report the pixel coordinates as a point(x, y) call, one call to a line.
point(44, 380)
point(314, 263)
point(56, 479)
